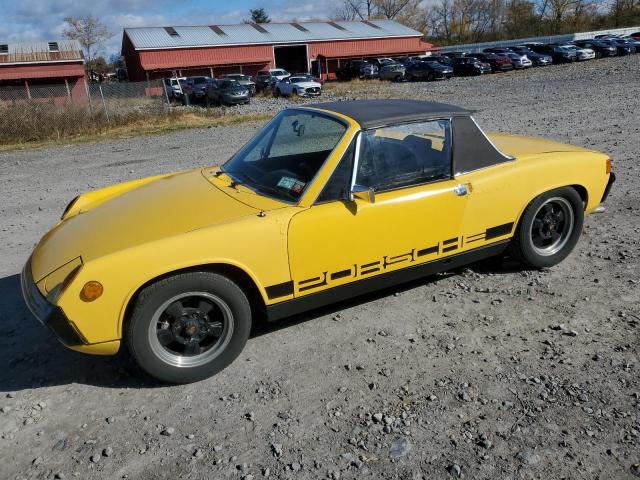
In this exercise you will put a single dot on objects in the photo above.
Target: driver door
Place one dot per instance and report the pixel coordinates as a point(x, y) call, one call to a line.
point(415, 217)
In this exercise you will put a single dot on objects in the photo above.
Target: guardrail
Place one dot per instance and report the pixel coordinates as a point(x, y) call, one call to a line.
point(478, 47)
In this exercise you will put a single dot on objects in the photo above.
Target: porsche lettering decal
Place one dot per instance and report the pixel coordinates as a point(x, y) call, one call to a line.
point(361, 270)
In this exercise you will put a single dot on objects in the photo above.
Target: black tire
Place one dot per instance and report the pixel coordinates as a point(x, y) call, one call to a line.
point(233, 314)
point(533, 229)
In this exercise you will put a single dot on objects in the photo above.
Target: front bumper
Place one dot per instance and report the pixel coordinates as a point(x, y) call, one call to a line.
point(55, 319)
point(235, 100)
point(311, 92)
point(48, 314)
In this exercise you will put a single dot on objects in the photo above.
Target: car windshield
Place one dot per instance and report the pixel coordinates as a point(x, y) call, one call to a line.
point(199, 80)
point(237, 77)
point(298, 79)
point(285, 156)
point(279, 72)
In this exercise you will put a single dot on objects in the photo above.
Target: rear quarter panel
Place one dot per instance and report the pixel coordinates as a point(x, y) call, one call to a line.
point(499, 194)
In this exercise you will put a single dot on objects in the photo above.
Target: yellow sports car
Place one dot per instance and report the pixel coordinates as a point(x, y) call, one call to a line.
point(326, 202)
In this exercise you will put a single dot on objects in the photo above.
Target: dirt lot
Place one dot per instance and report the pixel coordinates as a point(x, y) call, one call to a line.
point(490, 372)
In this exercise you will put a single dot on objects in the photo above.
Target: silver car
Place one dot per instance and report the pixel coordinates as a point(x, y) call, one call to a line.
point(519, 61)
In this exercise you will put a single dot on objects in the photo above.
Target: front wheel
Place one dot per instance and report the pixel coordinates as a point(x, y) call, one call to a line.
point(549, 228)
point(189, 326)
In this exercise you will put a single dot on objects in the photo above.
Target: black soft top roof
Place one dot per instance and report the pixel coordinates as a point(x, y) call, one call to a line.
point(377, 113)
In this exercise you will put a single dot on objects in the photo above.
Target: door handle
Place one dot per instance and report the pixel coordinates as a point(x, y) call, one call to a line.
point(462, 189)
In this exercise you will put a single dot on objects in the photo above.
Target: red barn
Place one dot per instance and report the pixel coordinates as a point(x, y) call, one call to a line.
point(31, 65)
point(318, 47)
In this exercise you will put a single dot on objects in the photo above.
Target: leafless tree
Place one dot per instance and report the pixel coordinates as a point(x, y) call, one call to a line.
point(88, 31)
point(356, 10)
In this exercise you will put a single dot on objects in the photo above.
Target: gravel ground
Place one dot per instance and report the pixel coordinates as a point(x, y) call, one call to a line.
point(488, 372)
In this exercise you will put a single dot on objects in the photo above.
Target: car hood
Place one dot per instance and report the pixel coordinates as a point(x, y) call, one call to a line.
point(520, 146)
point(164, 207)
point(307, 84)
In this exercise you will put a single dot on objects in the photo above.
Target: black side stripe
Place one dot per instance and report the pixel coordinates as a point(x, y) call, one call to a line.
point(320, 281)
point(340, 274)
point(280, 290)
point(448, 249)
point(309, 280)
point(451, 240)
point(475, 238)
point(498, 231)
point(427, 251)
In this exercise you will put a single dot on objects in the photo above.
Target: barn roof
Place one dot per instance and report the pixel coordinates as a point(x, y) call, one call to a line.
point(266, 33)
point(40, 52)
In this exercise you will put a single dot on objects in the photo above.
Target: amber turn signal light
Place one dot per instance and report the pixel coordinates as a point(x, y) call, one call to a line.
point(91, 291)
point(608, 169)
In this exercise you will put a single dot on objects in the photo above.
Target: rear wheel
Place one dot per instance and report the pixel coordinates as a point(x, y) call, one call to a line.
point(549, 228)
point(189, 326)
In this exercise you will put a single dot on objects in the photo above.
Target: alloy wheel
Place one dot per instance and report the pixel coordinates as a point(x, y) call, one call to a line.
point(191, 329)
point(552, 226)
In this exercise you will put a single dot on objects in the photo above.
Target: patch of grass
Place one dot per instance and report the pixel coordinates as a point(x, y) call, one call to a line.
point(28, 127)
point(355, 86)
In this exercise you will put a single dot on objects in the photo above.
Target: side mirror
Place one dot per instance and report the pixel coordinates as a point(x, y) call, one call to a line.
point(363, 193)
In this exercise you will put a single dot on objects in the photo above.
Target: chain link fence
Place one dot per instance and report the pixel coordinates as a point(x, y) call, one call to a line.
point(37, 112)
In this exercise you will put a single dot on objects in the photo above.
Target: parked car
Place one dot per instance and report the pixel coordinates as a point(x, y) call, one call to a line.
point(428, 70)
point(381, 62)
point(633, 41)
point(394, 72)
point(174, 87)
point(463, 66)
point(227, 92)
point(178, 267)
point(538, 59)
point(242, 79)
point(582, 53)
point(623, 47)
point(195, 88)
point(453, 55)
point(267, 79)
point(310, 77)
point(444, 60)
point(600, 48)
point(297, 86)
point(357, 69)
point(403, 60)
point(498, 50)
point(635, 35)
point(557, 53)
point(498, 63)
point(519, 61)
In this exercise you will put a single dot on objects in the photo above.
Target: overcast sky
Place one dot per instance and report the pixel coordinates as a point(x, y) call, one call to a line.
point(42, 20)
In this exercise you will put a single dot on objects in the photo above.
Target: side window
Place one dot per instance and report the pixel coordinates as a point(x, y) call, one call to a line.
point(339, 184)
point(405, 155)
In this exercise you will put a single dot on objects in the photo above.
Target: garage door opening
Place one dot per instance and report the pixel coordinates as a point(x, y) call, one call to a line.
point(292, 58)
